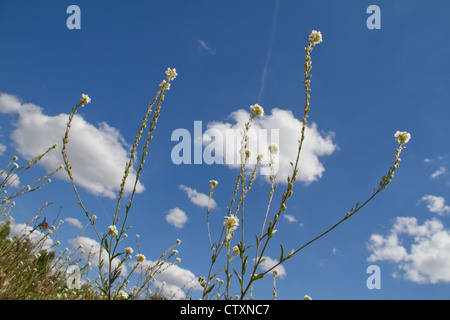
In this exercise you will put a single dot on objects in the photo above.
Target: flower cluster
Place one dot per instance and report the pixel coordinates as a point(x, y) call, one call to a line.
point(171, 74)
point(113, 230)
point(257, 110)
point(402, 137)
point(315, 37)
point(273, 148)
point(213, 183)
point(231, 223)
point(84, 99)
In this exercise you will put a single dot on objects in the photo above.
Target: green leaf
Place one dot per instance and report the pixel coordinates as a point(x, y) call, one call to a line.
point(209, 289)
point(238, 276)
point(282, 253)
point(258, 276)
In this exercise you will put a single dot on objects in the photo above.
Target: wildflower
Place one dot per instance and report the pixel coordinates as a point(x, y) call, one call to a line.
point(178, 241)
point(178, 260)
point(402, 137)
point(231, 222)
point(129, 250)
point(315, 37)
point(171, 73)
point(213, 183)
point(15, 165)
point(306, 297)
point(140, 258)
point(165, 85)
point(257, 110)
point(260, 157)
point(248, 153)
point(123, 295)
point(113, 230)
point(85, 99)
point(236, 250)
point(175, 251)
point(273, 148)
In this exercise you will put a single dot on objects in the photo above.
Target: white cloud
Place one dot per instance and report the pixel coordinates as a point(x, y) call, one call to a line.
point(91, 249)
point(436, 204)
point(269, 263)
point(427, 261)
point(204, 46)
point(74, 222)
point(22, 230)
point(176, 217)
point(197, 198)
point(2, 149)
point(289, 218)
point(173, 280)
point(315, 145)
point(439, 172)
point(98, 154)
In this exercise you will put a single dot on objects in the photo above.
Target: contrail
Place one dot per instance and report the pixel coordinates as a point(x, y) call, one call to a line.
point(269, 51)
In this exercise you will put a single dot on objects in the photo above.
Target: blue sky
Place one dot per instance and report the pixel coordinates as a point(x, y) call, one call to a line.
point(366, 85)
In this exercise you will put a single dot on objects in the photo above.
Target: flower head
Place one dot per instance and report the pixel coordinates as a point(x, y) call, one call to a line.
point(315, 37)
point(257, 110)
point(84, 99)
point(123, 295)
point(231, 223)
point(113, 230)
point(140, 258)
point(171, 74)
point(213, 183)
point(402, 137)
point(129, 250)
point(273, 148)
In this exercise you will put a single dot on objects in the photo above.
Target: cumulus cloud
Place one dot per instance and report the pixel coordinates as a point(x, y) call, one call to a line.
point(197, 198)
point(280, 127)
point(74, 222)
point(98, 154)
point(269, 263)
point(91, 248)
point(20, 230)
point(176, 217)
point(173, 280)
point(428, 257)
point(435, 204)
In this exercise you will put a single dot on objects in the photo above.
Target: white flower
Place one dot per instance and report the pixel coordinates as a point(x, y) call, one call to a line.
point(248, 153)
point(140, 258)
point(236, 250)
point(129, 250)
point(257, 110)
point(213, 182)
point(231, 223)
point(113, 230)
point(178, 260)
point(306, 297)
point(273, 148)
point(178, 240)
point(123, 295)
point(402, 137)
point(85, 99)
point(165, 85)
point(171, 73)
point(316, 37)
